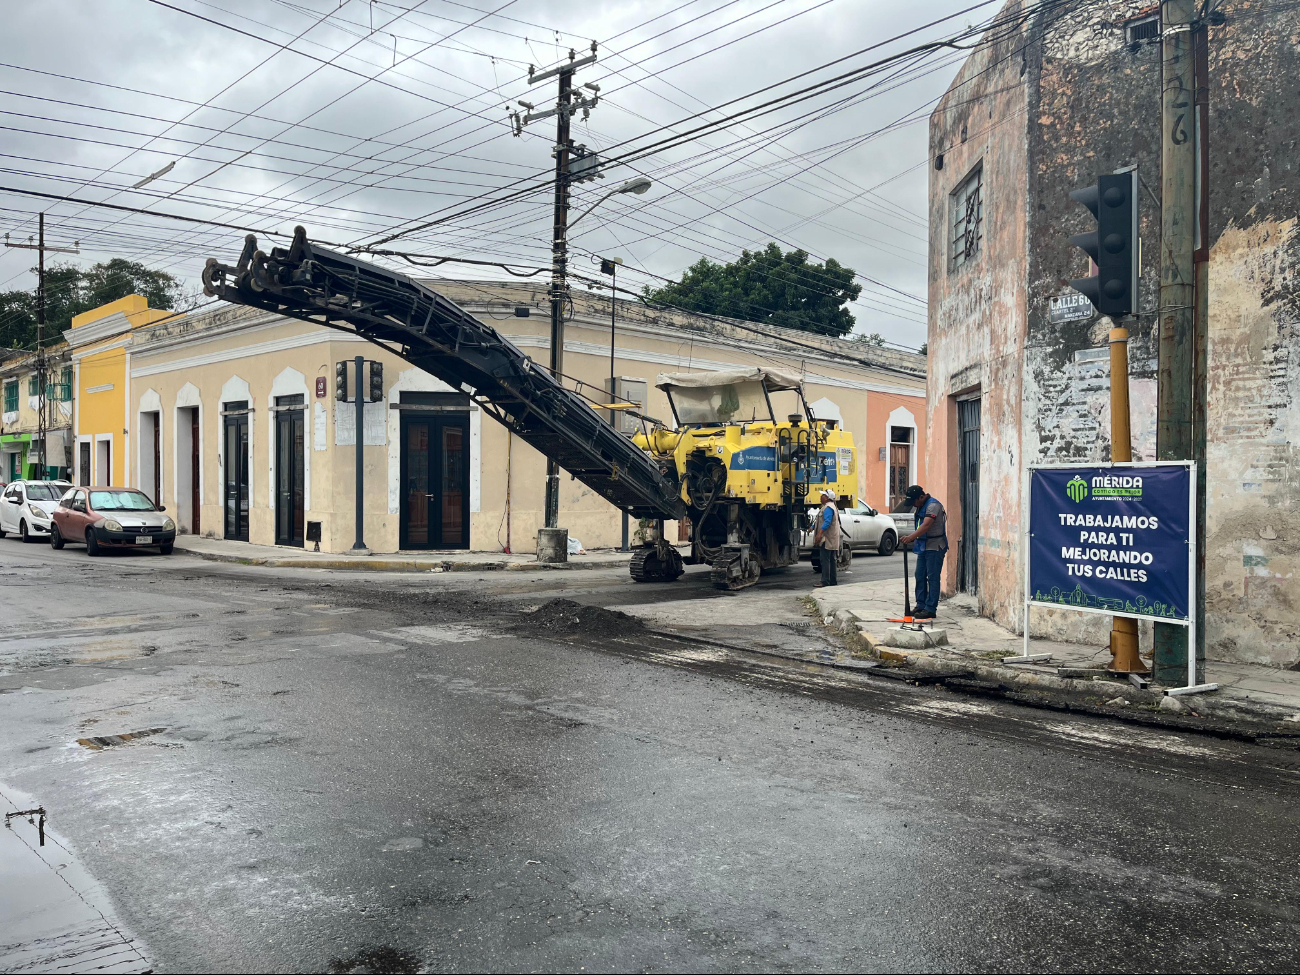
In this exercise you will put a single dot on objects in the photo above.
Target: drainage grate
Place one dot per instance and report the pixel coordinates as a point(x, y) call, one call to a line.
point(108, 741)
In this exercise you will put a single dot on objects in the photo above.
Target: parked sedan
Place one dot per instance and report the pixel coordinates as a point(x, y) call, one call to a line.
point(25, 507)
point(862, 529)
point(109, 517)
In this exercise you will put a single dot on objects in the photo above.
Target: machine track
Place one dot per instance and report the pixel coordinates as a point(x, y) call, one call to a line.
point(735, 570)
point(651, 565)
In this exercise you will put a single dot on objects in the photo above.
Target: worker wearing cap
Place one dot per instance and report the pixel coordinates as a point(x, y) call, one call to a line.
point(930, 543)
point(827, 538)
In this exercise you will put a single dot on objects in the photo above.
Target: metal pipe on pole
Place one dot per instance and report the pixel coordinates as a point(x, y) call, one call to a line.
point(1124, 629)
point(1181, 391)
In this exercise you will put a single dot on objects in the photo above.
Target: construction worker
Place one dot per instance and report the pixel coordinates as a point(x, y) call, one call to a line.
point(930, 543)
point(827, 538)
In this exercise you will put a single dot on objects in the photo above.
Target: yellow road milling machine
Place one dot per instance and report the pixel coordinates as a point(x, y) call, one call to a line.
point(740, 477)
point(746, 477)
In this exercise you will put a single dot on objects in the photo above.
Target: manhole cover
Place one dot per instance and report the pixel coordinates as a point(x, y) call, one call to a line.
point(108, 741)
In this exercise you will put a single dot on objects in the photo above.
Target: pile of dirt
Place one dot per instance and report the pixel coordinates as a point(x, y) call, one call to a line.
point(565, 616)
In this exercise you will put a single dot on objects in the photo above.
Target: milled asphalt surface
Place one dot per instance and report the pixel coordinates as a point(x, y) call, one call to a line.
point(407, 773)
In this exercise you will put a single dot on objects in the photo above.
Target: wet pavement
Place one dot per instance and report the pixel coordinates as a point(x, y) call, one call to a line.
point(303, 770)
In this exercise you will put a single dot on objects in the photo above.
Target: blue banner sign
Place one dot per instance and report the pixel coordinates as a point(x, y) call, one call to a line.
point(1113, 539)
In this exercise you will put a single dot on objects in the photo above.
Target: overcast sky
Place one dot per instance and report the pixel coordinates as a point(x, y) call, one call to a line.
point(380, 116)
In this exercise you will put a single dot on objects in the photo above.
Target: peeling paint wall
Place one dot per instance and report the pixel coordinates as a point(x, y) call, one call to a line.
point(1092, 106)
point(977, 312)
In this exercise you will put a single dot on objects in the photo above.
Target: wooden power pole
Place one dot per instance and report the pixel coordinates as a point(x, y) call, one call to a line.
point(1180, 411)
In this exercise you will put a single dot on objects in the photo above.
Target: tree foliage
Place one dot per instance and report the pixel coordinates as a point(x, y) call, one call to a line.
point(768, 286)
point(70, 290)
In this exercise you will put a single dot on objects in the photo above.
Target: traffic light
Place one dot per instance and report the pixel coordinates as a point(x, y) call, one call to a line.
point(376, 381)
point(341, 381)
point(1112, 246)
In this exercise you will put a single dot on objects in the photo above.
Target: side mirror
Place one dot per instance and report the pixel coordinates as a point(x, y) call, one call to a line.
point(162, 507)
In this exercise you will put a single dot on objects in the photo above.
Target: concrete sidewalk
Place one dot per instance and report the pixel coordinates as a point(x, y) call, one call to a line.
point(1252, 694)
point(243, 553)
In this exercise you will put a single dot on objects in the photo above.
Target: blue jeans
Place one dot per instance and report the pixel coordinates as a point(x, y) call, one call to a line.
point(929, 570)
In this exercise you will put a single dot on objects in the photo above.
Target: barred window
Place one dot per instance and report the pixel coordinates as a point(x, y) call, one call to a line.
point(967, 208)
point(1143, 29)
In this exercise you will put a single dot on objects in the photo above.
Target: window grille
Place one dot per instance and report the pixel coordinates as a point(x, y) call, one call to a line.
point(1146, 29)
point(967, 220)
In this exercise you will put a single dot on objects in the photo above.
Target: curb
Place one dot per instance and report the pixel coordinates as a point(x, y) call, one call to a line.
point(1224, 718)
point(398, 565)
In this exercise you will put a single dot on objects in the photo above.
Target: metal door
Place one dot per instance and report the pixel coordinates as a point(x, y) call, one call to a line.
point(236, 479)
point(290, 499)
point(968, 425)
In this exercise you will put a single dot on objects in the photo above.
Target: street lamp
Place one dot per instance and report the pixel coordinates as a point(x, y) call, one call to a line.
point(637, 186)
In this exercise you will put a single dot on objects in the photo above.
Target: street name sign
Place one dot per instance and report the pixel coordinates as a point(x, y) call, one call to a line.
point(1072, 307)
point(1112, 538)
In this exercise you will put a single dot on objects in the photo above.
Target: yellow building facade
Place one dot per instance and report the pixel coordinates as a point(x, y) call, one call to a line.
point(99, 345)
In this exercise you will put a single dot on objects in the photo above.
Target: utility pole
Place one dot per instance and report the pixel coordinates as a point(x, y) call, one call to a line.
point(565, 106)
point(1180, 411)
point(41, 405)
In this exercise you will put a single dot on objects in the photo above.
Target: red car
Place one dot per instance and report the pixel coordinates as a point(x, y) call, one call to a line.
point(111, 517)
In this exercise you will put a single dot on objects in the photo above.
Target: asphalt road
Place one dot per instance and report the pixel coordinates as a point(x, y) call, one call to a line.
point(354, 773)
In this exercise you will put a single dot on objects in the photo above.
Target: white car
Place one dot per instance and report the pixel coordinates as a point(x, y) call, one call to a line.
point(25, 507)
point(863, 529)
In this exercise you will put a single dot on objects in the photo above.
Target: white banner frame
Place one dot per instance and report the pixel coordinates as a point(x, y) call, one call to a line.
point(1026, 534)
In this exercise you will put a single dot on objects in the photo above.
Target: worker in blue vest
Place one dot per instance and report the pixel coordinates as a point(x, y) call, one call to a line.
point(930, 543)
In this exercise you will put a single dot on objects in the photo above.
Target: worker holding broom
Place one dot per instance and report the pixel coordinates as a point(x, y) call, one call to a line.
point(930, 543)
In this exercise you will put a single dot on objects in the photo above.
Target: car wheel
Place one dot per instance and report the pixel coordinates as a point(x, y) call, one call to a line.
point(92, 544)
point(3, 533)
point(846, 556)
point(22, 531)
point(166, 549)
point(56, 540)
point(888, 543)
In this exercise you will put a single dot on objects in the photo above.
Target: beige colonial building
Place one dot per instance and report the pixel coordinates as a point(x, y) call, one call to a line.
point(233, 424)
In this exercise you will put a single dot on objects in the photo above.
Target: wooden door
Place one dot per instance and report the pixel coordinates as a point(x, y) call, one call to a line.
point(194, 471)
point(900, 460)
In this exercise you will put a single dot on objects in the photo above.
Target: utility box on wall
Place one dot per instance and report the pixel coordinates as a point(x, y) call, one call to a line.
point(626, 389)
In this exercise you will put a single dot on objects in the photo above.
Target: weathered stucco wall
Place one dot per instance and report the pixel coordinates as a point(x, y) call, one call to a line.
point(1253, 430)
point(977, 313)
point(1094, 107)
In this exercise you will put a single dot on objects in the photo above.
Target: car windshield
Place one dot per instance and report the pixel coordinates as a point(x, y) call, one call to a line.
point(44, 492)
point(120, 501)
point(735, 403)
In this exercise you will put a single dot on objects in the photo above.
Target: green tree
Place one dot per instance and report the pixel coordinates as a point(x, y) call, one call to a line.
point(70, 290)
point(875, 338)
point(768, 286)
